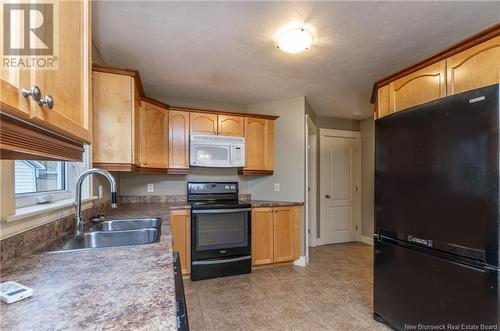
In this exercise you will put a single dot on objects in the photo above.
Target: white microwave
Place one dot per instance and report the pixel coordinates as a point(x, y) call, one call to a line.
point(217, 151)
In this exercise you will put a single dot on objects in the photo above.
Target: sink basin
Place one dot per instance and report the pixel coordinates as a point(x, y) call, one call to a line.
point(97, 239)
point(126, 224)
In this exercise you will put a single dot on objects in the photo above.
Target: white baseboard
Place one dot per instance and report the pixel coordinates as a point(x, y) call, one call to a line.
point(300, 262)
point(367, 240)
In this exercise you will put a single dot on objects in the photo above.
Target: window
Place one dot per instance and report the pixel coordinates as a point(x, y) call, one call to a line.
point(40, 176)
point(39, 182)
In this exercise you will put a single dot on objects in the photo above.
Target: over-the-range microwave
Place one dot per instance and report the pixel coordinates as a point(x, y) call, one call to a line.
point(217, 151)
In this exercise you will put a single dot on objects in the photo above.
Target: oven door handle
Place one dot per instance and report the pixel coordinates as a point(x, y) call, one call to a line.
point(221, 211)
point(219, 261)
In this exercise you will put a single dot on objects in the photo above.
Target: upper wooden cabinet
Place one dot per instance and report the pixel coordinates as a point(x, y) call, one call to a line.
point(475, 67)
point(69, 85)
point(470, 64)
point(259, 146)
point(230, 125)
point(178, 150)
point(67, 82)
point(424, 85)
point(203, 123)
point(154, 136)
point(116, 122)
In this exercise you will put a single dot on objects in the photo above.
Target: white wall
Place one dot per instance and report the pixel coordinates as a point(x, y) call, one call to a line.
point(367, 128)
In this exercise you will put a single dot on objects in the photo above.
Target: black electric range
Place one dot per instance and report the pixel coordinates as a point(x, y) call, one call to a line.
point(220, 230)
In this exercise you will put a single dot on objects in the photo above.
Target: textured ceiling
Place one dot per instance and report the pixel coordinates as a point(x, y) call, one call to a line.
point(225, 51)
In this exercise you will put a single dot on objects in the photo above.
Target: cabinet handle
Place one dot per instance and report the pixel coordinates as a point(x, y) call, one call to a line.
point(47, 101)
point(328, 196)
point(144, 163)
point(34, 92)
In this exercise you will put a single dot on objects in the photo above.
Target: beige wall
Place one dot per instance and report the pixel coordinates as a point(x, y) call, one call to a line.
point(201, 104)
point(367, 127)
point(136, 184)
point(337, 123)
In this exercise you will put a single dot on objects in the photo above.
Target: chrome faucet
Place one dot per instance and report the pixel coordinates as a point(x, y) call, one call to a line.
point(78, 195)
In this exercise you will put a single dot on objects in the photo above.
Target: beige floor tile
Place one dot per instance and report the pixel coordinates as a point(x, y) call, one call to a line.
point(333, 293)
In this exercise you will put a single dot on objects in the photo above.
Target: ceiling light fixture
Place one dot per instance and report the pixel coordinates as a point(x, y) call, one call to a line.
point(295, 40)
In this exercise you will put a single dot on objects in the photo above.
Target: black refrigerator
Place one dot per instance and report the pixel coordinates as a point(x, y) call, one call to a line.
point(437, 204)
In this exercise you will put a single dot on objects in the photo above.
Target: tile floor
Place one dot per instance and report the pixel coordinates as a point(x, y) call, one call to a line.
point(334, 292)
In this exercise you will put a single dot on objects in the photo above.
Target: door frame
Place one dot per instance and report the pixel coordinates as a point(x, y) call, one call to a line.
point(312, 174)
point(355, 135)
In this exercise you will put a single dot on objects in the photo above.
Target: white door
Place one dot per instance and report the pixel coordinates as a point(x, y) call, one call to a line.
point(339, 186)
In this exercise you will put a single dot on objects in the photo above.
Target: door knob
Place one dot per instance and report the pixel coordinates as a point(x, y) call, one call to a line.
point(34, 92)
point(328, 196)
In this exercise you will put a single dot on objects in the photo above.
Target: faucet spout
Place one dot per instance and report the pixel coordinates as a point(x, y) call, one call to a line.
point(78, 195)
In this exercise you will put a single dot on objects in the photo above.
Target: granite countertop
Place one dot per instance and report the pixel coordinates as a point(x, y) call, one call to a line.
point(114, 288)
point(269, 203)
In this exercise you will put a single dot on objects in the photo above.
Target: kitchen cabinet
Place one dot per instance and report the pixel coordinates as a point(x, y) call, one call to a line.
point(203, 123)
point(262, 236)
point(470, 64)
point(383, 107)
point(229, 125)
point(259, 146)
point(116, 122)
point(180, 221)
point(286, 234)
point(475, 67)
point(178, 144)
point(154, 136)
point(419, 87)
point(275, 234)
point(69, 84)
point(57, 132)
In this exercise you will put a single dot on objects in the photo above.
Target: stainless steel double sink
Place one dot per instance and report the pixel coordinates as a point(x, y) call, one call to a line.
point(119, 232)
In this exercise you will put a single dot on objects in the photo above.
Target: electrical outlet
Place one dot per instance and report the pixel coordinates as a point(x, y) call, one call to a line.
point(100, 191)
point(151, 188)
point(276, 187)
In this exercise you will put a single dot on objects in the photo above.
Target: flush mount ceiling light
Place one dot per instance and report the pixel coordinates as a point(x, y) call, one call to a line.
point(295, 40)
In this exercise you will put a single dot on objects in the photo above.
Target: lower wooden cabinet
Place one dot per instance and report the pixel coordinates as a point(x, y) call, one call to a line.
point(275, 235)
point(180, 220)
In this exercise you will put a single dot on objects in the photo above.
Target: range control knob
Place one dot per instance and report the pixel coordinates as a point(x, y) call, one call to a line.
point(226, 187)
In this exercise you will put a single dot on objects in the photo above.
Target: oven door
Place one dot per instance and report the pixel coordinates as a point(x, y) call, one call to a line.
point(220, 233)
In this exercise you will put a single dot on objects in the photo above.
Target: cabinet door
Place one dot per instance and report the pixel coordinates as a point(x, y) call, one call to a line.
point(137, 134)
point(475, 67)
point(112, 118)
point(154, 136)
point(286, 234)
point(69, 84)
point(230, 125)
point(178, 142)
point(203, 123)
point(424, 85)
point(262, 236)
point(383, 101)
point(181, 237)
point(259, 144)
